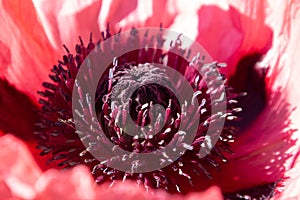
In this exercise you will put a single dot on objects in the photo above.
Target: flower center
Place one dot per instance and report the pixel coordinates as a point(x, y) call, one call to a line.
point(141, 106)
point(58, 136)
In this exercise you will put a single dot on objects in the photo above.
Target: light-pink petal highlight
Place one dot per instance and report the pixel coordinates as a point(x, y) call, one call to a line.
point(291, 184)
point(80, 185)
point(211, 193)
point(141, 13)
point(283, 76)
point(285, 22)
point(76, 183)
point(65, 20)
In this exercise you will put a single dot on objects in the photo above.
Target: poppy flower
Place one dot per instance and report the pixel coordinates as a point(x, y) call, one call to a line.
point(257, 40)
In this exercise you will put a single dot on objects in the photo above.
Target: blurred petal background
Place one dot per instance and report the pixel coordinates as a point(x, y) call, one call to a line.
point(31, 38)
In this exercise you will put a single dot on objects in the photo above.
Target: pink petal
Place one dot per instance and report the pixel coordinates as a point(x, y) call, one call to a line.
point(65, 20)
point(210, 193)
point(285, 21)
point(113, 12)
point(263, 152)
point(129, 190)
point(291, 185)
point(17, 167)
point(21, 178)
point(283, 81)
point(228, 34)
point(140, 13)
point(4, 190)
point(76, 183)
point(25, 51)
point(231, 31)
point(260, 152)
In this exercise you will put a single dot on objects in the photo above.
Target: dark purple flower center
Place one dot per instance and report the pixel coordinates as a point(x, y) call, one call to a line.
point(140, 106)
point(56, 127)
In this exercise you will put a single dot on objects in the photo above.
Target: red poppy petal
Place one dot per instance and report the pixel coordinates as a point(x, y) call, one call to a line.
point(228, 34)
point(210, 193)
point(65, 20)
point(166, 17)
point(21, 178)
point(260, 152)
point(4, 190)
point(76, 183)
point(25, 50)
point(285, 20)
point(263, 152)
point(291, 185)
point(17, 167)
point(129, 190)
point(113, 12)
point(80, 185)
point(140, 13)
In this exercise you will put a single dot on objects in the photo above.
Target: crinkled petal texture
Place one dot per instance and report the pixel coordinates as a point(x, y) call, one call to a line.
point(229, 34)
point(65, 20)
point(25, 52)
point(285, 56)
point(266, 150)
point(32, 32)
point(21, 178)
